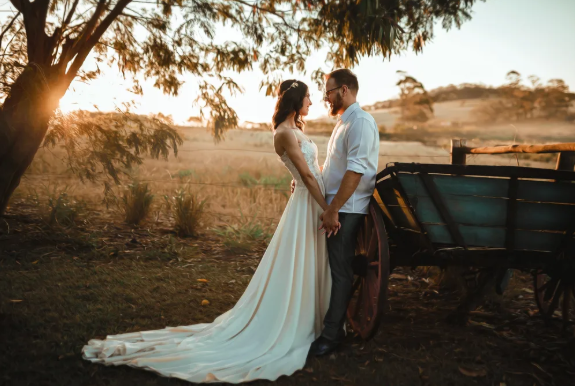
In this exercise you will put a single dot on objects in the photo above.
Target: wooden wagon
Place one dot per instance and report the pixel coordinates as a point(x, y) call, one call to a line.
point(493, 218)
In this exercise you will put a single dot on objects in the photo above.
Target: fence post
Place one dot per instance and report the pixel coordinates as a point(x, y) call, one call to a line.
point(458, 157)
point(566, 161)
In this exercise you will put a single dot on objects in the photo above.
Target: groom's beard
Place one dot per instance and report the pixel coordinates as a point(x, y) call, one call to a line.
point(336, 105)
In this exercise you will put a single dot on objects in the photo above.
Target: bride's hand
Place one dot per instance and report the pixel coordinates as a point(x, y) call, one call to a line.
point(335, 231)
point(292, 185)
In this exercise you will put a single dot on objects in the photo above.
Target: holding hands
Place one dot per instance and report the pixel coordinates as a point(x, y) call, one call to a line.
point(329, 218)
point(330, 221)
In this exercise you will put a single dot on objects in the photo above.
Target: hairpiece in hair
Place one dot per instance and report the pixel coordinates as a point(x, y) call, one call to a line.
point(293, 85)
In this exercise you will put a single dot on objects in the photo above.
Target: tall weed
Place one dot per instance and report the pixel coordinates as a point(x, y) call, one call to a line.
point(187, 211)
point(56, 206)
point(136, 203)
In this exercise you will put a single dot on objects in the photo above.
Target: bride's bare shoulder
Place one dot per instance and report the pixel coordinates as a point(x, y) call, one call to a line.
point(282, 133)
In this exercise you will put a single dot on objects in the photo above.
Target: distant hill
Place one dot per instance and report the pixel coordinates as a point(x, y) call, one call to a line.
point(465, 91)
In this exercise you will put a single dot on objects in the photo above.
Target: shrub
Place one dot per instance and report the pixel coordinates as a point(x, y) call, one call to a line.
point(59, 208)
point(63, 210)
point(187, 210)
point(136, 203)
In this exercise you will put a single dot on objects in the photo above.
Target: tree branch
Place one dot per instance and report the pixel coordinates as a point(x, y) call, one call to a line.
point(86, 47)
point(91, 25)
point(73, 46)
point(270, 11)
point(70, 14)
point(20, 4)
point(7, 28)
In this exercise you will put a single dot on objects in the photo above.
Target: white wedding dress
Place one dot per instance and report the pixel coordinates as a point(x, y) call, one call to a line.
point(269, 331)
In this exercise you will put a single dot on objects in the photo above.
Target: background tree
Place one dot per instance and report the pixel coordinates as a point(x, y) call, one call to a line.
point(416, 104)
point(46, 43)
point(517, 101)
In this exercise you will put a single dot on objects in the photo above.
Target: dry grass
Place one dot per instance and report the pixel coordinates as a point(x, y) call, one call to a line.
point(136, 203)
point(187, 211)
point(243, 173)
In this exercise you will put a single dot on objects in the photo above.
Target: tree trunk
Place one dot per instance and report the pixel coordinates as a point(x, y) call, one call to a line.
point(24, 119)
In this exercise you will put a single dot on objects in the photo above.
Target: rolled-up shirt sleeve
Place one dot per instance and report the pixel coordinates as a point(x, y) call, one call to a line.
point(358, 141)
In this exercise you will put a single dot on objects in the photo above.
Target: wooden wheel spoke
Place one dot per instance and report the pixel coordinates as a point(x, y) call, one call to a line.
point(367, 300)
point(543, 287)
point(550, 288)
point(367, 231)
point(566, 304)
point(555, 301)
point(372, 248)
point(358, 300)
point(356, 285)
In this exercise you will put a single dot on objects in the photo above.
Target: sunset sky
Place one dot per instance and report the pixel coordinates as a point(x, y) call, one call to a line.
point(529, 36)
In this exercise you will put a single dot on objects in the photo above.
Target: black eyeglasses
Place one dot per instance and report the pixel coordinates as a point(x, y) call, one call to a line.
point(326, 94)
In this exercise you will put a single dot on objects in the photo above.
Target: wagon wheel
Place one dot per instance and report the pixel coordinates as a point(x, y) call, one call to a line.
point(555, 296)
point(371, 275)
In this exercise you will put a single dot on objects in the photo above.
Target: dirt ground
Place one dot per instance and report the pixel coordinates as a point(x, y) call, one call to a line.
point(59, 288)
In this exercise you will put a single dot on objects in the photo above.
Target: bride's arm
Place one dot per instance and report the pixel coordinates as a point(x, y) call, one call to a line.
point(289, 143)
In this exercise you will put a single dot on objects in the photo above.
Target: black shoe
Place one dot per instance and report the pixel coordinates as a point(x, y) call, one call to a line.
point(322, 346)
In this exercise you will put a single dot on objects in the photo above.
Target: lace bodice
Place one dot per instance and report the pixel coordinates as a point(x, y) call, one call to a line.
point(310, 151)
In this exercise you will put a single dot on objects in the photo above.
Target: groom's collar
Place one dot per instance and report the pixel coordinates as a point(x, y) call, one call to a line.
point(345, 116)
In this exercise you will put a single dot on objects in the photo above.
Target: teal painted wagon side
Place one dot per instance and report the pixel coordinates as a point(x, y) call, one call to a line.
point(491, 217)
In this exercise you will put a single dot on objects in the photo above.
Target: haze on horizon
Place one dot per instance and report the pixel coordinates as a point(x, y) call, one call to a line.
point(528, 36)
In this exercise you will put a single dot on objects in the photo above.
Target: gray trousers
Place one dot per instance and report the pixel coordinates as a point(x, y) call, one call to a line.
point(341, 250)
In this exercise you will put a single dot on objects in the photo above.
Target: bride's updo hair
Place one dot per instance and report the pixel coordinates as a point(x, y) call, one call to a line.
point(290, 100)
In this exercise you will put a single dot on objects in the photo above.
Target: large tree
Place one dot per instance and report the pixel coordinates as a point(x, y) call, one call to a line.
point(45, 44)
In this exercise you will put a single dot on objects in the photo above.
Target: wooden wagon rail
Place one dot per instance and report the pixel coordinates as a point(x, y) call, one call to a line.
point(565, 158)
point(551, 148)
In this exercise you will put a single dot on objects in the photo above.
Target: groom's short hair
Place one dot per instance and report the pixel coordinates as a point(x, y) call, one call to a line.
point(344, 77)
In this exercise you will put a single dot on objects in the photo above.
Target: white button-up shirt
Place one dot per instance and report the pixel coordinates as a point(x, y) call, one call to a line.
point(354, 145)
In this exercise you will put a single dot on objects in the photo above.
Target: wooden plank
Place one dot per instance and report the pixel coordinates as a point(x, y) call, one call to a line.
point(410, 214)
point(491, 212)
point(489, 237)
point(527, 190)
point(383, 208)
point(458, 156)
point(386, 191)
point(543, 216)
point(473, 236)
point(494, 258)
point(442, 209)
point(471, 186)
point(550, 148)
point(566, 161)
point(511, 215)
point(466, 210)
point(456, 185)
point(479, 170)
point(544, 191)
point(537, 241)
point(399, 217)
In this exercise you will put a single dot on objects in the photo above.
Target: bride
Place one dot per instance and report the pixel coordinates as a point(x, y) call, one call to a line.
point(269, 331)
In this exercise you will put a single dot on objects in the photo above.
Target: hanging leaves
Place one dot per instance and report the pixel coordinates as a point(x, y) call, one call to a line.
point(168, 39)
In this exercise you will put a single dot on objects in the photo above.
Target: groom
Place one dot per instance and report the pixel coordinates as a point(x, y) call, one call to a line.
point(349, 177)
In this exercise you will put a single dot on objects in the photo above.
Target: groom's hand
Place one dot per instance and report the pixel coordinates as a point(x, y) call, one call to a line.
point(292, 185)
point(330, 221)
